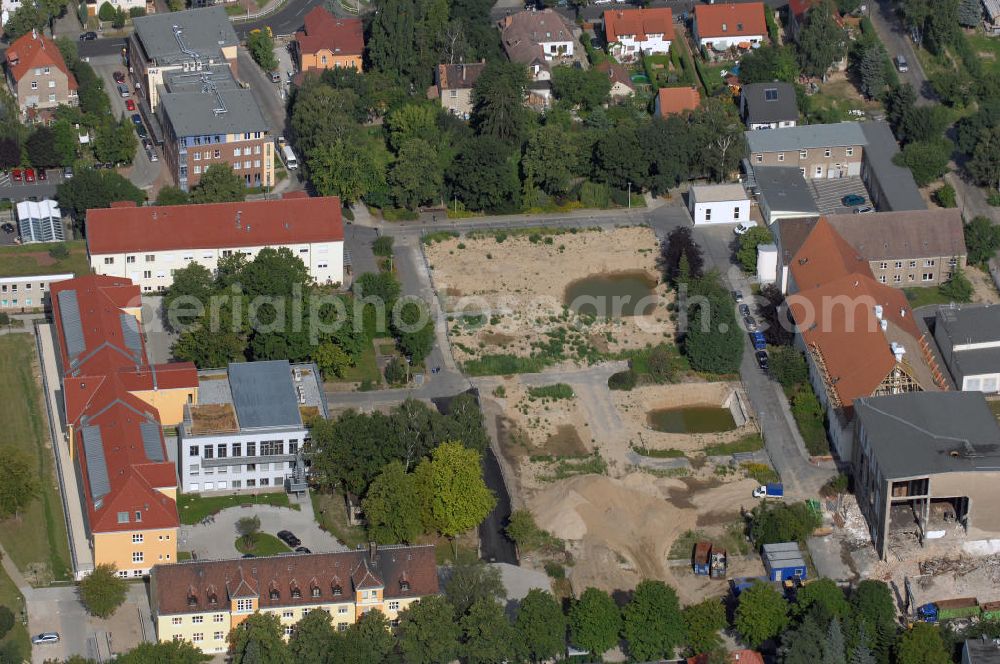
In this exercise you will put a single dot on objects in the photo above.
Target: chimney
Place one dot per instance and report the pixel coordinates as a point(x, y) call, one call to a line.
point(34, 33)
point(372, 550)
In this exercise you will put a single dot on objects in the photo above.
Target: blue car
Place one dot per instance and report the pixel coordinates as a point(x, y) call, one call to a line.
point(137, 120)
point(852, 200)
point(758, 341)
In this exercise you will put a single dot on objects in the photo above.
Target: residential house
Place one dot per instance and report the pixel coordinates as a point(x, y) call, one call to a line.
point(991, 17)
point(859, 336)
point(202, 601)
point(926, 470)
point(38, 75)
point(537, 39)
point(94, 6)
point(27, 292)
point(718, 204)
point(782, 193)
point(247, 431)
point(40, 221)
point(116, 405)
point(622, 86)
point(968, 339)
point(147, 244)
point(326, 41)
point(903, 249)
point(670, 101)
point(768, 105)
point(632, 33)
point(724, 26)
point(454, 86)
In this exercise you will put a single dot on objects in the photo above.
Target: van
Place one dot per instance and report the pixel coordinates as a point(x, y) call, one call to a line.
point(291, 163)
point(901, 64)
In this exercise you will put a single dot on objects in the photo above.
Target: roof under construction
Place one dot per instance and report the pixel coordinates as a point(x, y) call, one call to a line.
point(923, 433)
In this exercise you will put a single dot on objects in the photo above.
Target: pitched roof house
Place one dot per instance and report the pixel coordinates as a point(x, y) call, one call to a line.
point(769, 105)
point(633, 32)
point(676, 100)
point(722, 26)
point(327, 41)
point(536, 38)
point(454, 86)
point(38, 75)
point(621, 83)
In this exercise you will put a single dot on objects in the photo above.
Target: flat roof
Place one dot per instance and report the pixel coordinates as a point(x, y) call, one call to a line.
point(923, 433)
point(805, 137)
point(715, 193)
point(176, 37)
point(219, 111)
point(784, 188)
point(263, 394)
point(898, 186)
point(969, 324)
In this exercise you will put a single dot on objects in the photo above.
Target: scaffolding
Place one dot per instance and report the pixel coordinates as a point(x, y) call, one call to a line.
point(829, 382)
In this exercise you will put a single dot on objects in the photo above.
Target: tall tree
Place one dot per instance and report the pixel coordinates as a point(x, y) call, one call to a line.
point(982, 239)
point(804, 644)
point(473, 582)
point(619, 159)
point(834, 651)
point(922, 644)
point(823, 592)
point(171, 195)
point(428, 633)
point(261, 47)
point(219, 184)
point(702, 624)
point(259, 640)
point(680, 243)
point(163, 652)
point(594, 622)
point(870, 68)
point(391, 506)
point(103, 591)
point(312, 639)
point(488, 636)
point(414, 328)
point(957, 288)
point(984, 166)
point(498, 101)
point(19, 481)
point(323, 115)
point(822, 42)
point(115, 142)
point(368, 641)
point(719, 131)
point(769, 63)
point(41, 147)
point(416, 176)
point(411, 121)
point(584, 88)
point(748, 243)
point(548, 159)
point(346, 169)
point(484, 175)
point(653, 626)
point(668, 145)
point(407, 37)
point(453, 495)
point(90, 189)
point(761, 614)
point(541, 626)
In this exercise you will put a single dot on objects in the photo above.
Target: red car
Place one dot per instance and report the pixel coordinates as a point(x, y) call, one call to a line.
point(42, 177)
point(119, 77)
point(29, 175)
point(16, 175)
point(129, 104)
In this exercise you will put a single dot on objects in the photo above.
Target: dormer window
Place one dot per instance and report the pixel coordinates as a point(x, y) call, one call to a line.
point(192, 600)
point(296, 592)
point(404, 584)
point(739, 27)
point(315, 591)
point(213, 599)
point(337, 591)
point(274, 595)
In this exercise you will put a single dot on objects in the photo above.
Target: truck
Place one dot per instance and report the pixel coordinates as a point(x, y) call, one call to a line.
point(770, 490)
point(949, 609)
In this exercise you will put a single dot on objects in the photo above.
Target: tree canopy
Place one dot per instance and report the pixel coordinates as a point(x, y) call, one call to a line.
point(103, 591)
point(594, 622)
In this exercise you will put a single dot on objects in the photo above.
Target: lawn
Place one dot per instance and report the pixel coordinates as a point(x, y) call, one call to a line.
point(923, 296)
point(194, 507)
point(11, 598)
point(30, 259)
point(38, 538)
point(331, 514)
point(988, 49)
point(263, 545)
point(749, 443)
point(365, 369)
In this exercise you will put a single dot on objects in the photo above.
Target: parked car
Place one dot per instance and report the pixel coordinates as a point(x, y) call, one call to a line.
point(744, 310)
point(759, 342)
point(15, 175)
point(743, 227)
point(275, 77)
point(136, 119)
point(288, 538)
point(129, 105)
point(88, 36)
point(761, 356)
point(29, 175)
point(7, 227)
point(45, 637)
point(302, 549)
point(67, 173)
point(141, 130)
point(868, 209)
point(852, 200)
point(750, 323)
point(901, 64)
point(119, 77)
point(151, 153)
point(42, 177)
point(123, 91)
point(738, 296)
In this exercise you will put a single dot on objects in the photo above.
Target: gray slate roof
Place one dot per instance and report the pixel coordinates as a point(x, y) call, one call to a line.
point(783, 187)
point(769, 102)
point(898, 235)
point(205, 31)
point(805, 137)
point(921, 433)
point(969, 324)
point(263, 394)
point(897, 182)
point(193, 113)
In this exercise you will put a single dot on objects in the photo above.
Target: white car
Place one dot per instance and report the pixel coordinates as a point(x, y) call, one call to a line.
point(45, 637)
point(743, 227)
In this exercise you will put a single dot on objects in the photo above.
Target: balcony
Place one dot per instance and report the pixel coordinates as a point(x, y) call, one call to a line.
point(242, 461)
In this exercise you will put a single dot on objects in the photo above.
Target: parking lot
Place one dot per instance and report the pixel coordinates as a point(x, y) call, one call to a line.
point(829, 194)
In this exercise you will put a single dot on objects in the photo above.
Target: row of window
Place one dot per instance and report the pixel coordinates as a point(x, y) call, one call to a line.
point(151, 258)
point(197, 637)
point(42, 70)
point(804, 154)
point(223, 450)
point(140, 557)
point(196, 469)
point(928, 262)
point(235, 484)
point(898, 278)
point(139, 538)
point(28, 302)
point(197, 620)
point(34, 84)
point(708, 213)
point(42, 286)
point(236, 166)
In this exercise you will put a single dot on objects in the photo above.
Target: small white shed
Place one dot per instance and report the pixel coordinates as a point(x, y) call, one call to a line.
point(767, 264)
point(719, 204)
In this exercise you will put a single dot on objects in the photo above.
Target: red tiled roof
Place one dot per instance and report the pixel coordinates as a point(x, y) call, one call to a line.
point(462, 76)
point(730, 20)
point(616, 73)
point(677, 100)
point(32, 50)
point(171, 586)
point(798, 8)
point(104, 362)
point(343, 36)
point(216, 225)
point(637, 23)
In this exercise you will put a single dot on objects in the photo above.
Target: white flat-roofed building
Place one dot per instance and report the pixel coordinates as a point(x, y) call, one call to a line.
point(719, 204)
point(147, 244)
point(40, 221)
point(27, 292)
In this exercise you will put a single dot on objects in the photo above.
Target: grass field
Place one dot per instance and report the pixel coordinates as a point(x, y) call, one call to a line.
point(920, 297)
point(364, 369)
point(11, 598)
point(37, 541)
point(331, 514)
point(28, 259)
point(194, 507)
point(263, 545)
point(988, 49)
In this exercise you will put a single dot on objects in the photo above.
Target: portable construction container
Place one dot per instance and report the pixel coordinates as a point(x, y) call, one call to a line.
point(702, 554)
point(718, 563)
point(784, 560)
point(949, 609)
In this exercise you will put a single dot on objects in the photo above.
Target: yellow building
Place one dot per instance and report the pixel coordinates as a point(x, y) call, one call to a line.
point(201, 602)
point(327, 42)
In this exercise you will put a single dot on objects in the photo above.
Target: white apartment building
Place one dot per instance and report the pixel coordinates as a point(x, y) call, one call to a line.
point(27, 292)
point(148, 244)
point(247, 431)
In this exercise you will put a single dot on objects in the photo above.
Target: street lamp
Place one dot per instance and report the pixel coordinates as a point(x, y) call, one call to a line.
point(629, 195)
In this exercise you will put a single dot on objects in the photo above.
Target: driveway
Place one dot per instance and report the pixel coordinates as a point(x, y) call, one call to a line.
point(216, 540)
point(264, 91)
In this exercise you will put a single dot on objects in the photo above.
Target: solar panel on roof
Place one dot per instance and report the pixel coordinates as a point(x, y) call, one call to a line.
point(97, 465)
point(130, 333)
point(151, 441)
point(69, 319)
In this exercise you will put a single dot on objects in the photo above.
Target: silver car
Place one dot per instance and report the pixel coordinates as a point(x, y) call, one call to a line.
point(45, 637)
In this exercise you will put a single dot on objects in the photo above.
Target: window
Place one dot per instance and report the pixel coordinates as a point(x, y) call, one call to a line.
point(237, 152)
point(109, 261)
point(123, 573)
point(850, 152)
point(251, 483)
point(137, 538)
point(288, 614)
point(913, 263)
point(244, 605)
point(207, 154)
point(274, 594)
point(217, 154)
point(197, 156)
point(197, 170)
point(247, 164)
point(803, 154)
point(293, 447)
point(123, 517)
point(220, 450)
point(218, 617)
point(897, 278)
point(138, 556)
point(269, 447)
point(883, 265)
point(759, 158)
point(138, 516)
point(209, 453)
point(197, 637)
point(288, 630)
point(218, 636)
point(394, 606)
point(237, 484)
point(928, 276)
point(34, 85)
point(256, 163)
point(315, 591)
point(176, 621)
point(736, 212)
point(264, 481)
point(781, 156)
point(819, 170)
point(882, 279)
point(341, 627)
point(340, 609)
point(237, 449)
point(226, 253)
point(197, 620)
point(46, 70)
point(826, 152)
point(929, 262)
point(147, 274)
point(130, 259)
point(899, 265)
point(256, 149)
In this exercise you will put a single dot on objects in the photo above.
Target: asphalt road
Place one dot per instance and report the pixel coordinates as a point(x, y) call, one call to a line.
point(285, 21)
point(264, 91)
point(897, 41)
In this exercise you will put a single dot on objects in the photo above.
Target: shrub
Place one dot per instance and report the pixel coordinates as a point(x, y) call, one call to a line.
point(500, 392)
point(6, 621)
point(555, 392)
point(395, 371)
point(382, 246)
point(837, 485)
point(788, 366)
point(106, 12)
point(136, 12)
point(555, 570)
point(773, 522)
point(623, 380)
point(595, 195)
point(4, 318)
point(945, 197)
point(761, 472)
point(59, 252)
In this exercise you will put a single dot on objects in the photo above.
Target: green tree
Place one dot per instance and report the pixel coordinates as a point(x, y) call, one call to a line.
point(20, 482)
point(472, 582)
point(322, 115)
point(115, 142)
point(345, 169)
point(702, 624)
point(415, 331)
point(870, 69)
point(10, 153)
point(788, 366)
point(669, 146)
point(584, 88)
point(261, 47)
point(313, 638)
point(922, 644)
point(769, 63)
point(984, 165)
point(171, 195)
point(778, 330)
point(193, 283)
point(712, 340)
point(680, 245)
point(549, 158)
point(25, 18)
point(95, 189)
point(773, 522)
point(407, 38)
point(498, 101)
point(484, 175)
point(541, 626)
point(428, 633)
point(594, 622)
point(163, 652)
point(391, 506)
point(982, 239)
point(822, 42)
point(103, 591)
point(834, 651)
point(259, 640)
point(875, 612)
point(332, 359)
point(719, 132)
point(619, 159)
point(368, 641)
point(381, 286)
point(6, 621)
point(805, 643)
point(822, 592)
point(248, 527)
point(927, 160)
point(761, 614)
point(413, 121)
point(488, 635)
point(416, 176)
point(219, 184)
point(749, 241)
point(41, 147)
point(958, 288)
point(653, 626)
point(106, 12)
point(454, 496)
